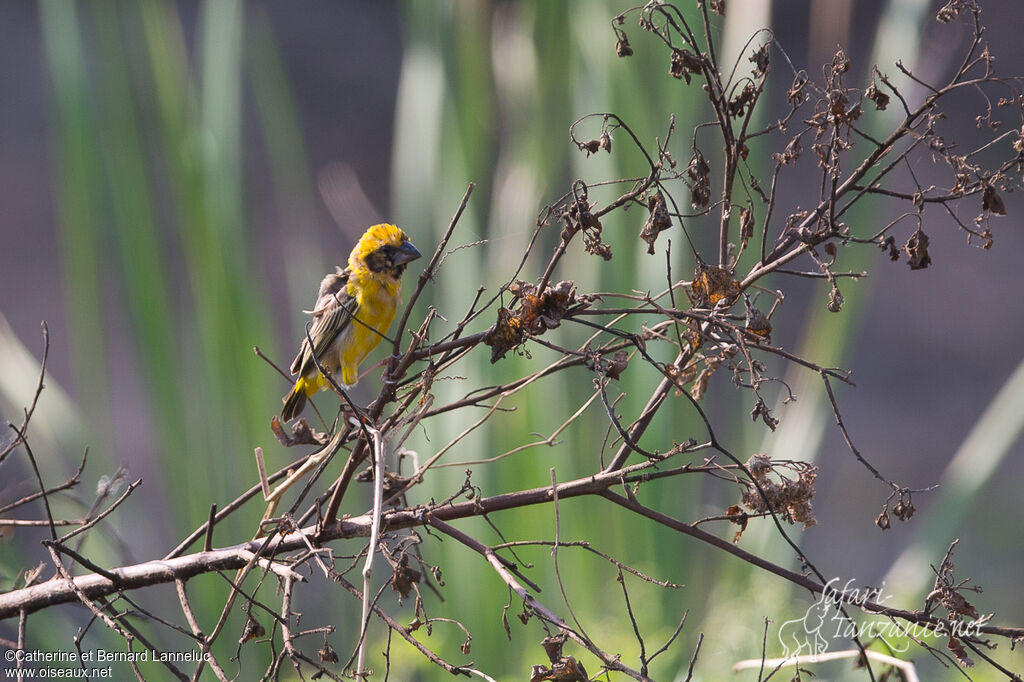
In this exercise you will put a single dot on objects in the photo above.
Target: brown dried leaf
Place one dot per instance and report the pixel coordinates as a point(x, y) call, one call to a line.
point(327, 654)
point(746, 225)
point(916, 249)
point(252, 630)
point(835, 300)
point(712, 284)
point(738, 105)
point(760, 60)
point(552, 645)
point(657, 222)
point(740, 518)
point(403, 577)
point(889, 244)
point(796, 96)
point(618, 364)
point(622, 46)
point(302, 433)
point(789, 498)
point(756, 323)
point(882, 520)
point(880, 99)
point(506, 334)
point(954, 645)
point(699, 173)
point(761, 410)
point(683, 63)
point(792, 152)
point(992, 202)
point(590, 146)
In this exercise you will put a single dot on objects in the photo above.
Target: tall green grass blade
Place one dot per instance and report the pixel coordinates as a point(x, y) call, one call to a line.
point(77, 177)
point(137, 239)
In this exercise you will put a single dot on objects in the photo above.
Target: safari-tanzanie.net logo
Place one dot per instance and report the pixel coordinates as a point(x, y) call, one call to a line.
point(824, 624)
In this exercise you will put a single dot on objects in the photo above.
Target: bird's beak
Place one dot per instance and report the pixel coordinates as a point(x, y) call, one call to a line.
point(406, 253)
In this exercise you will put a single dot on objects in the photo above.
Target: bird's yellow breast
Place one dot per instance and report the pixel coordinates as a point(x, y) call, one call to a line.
point(376, 305)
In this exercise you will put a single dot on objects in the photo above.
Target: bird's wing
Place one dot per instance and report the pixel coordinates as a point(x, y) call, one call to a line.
point(331, 315)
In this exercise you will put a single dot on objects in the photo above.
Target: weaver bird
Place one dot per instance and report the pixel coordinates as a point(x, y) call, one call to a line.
point(353, 311)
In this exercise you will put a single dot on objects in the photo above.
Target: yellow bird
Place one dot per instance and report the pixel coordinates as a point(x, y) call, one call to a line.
point(353, 311)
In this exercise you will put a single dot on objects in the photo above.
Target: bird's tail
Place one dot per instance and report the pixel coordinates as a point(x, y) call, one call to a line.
point(295, 401)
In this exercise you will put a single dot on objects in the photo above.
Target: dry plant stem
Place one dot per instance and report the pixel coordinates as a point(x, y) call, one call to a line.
point(75, 479)
point(106, 512)
point(22, 623)
point(905, 667)
point(58, 590)
point(234, 505)
point(313, 461)
point(402, 630)
point(529, 601)
point(286, 632)
point(371, 551)
point(39, 479)
point(642, 422)
point(30, 410)
point(429, 271)
point(193, 623)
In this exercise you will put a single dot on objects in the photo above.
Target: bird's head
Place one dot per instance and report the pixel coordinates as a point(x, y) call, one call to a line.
point(382, 253)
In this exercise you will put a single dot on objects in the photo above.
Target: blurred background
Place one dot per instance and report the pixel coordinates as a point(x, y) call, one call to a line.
point(175, 179)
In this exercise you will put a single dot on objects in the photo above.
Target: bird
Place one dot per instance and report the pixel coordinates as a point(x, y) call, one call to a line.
point(354, 308)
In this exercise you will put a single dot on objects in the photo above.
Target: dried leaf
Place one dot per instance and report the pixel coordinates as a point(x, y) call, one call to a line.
point(792, 152)
point(760, 60)
point(761, 410)
point(682, 63)
point(889, 244)
point(699, 173)
point(880, 99)
point(657, 222)
point(506, 334)
point(618, 364)
point(789, 498)
point(740, 518)
point(590, 146)
point(252, 630)
point(756, 322)
point(917, 250)
point(622, 46)
point(403, 577)
point(712, 284)
point(796, 96)
point(992, 202)
point(835, 300)
point(954, 645)
point(553, 646)
point(302, 433)
point(746, 225)
point(328, 654)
